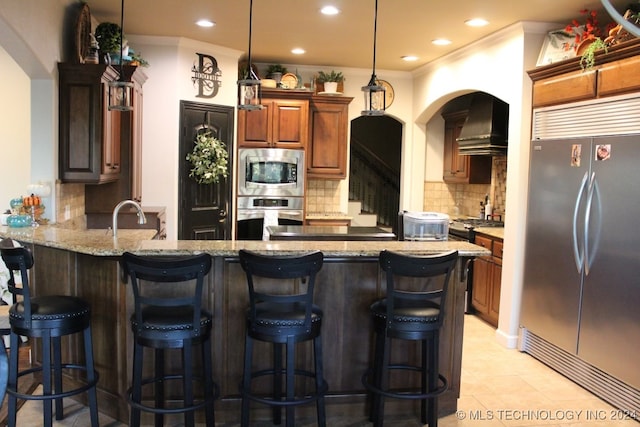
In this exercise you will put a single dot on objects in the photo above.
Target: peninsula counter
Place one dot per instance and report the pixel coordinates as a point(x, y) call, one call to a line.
point(85, 263)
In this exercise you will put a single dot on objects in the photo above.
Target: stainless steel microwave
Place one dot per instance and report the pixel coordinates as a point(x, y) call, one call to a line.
point(271, 172)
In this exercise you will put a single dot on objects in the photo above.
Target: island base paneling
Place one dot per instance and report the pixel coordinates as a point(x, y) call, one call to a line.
point(345, 289)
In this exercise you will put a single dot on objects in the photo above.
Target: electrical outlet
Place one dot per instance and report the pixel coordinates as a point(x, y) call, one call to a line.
point(67, 212)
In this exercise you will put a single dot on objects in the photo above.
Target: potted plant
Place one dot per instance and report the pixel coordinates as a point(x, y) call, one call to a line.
point(588, 37)
point(330, 80)
point(275, 72)
point(108, 36)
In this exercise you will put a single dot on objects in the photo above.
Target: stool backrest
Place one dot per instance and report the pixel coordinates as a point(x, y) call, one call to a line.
point(417, 281)
point(19, 259)
point(304, 267)
point(151, 271)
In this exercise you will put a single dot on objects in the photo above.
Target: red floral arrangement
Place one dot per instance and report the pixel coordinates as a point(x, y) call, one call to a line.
point(588, 30)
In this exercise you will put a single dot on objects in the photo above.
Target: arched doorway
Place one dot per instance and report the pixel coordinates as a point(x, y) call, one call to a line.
point(375, 165)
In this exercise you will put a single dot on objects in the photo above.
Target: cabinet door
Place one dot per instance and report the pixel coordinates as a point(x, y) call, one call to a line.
point(290, 128)
point(459, 169)
point(482, 270)
point(494, 300)
point(255, 127)
point(327, 153)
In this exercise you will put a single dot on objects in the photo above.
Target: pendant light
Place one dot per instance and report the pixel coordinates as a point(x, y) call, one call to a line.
point(249, 91)
point(120, 91)
point(374, 94)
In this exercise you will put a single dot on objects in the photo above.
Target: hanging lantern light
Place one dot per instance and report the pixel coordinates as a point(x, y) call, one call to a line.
point(374, 94)
point(249, 89)
point(120, 91)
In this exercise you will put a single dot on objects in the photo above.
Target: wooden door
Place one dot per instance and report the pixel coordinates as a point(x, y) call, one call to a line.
point(204, 209)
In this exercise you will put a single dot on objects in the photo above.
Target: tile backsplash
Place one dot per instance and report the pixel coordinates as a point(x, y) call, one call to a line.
point(70, 204)
point(443, 197)
point(323, 195)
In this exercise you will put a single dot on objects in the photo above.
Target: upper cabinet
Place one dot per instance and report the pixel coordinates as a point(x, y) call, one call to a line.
point(616, 72)
point(282, 123)
point(89, 133)
point(327, 151)
point(103, 198)
point(458, 169)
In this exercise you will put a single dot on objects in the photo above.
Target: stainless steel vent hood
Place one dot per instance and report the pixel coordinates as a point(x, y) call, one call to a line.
point(486, 128)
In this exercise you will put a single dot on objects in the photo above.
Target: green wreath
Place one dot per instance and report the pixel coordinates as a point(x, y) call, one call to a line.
point(209, 159)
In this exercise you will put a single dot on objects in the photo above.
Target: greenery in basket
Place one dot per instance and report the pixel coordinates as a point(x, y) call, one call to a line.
point(108, 36)
point(588, 58)
point(209, 159)
point(332, 76)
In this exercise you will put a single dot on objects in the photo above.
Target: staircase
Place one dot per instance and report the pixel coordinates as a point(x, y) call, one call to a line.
point(360, 219)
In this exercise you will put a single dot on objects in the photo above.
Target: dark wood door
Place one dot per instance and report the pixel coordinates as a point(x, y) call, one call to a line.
point(205, 209)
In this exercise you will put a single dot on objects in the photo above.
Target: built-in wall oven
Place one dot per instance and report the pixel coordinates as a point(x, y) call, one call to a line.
point(270, 190)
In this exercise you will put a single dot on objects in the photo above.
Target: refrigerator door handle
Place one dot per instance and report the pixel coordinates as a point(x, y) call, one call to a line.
point(578, 254)
point(590, 252)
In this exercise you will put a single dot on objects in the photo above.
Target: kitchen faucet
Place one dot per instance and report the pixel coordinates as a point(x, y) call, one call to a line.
point(141, 218)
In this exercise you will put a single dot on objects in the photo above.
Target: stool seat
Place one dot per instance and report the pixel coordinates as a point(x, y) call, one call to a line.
point(283, 316)
point(48, 318)
point(168, 327)
point(413, 310)
point(61, 315)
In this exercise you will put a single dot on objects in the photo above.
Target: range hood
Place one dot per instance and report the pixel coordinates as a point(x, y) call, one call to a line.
point(486, 128)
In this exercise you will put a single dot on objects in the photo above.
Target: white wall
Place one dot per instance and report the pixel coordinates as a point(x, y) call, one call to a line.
point(15, 133)
point(496, 65)
point(169, 83)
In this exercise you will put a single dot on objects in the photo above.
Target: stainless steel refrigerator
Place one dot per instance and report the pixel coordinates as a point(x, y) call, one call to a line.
point(581, 293)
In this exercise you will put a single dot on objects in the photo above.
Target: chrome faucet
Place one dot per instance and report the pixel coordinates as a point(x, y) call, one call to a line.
point(141, 218)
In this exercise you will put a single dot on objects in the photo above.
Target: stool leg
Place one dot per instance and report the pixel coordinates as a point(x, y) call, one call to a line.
point(187, 381)
point(384, 381)
point(317, 357)
point(57, 375)
point(246, 380)
point(277, 382)
point(425, 378)
point(91, 377)
point(291, 346)
point(159, 385)
point(377, 374)
point(433, 380)
point(46, 378)
point(136, 387)
point(208, 382)
point(12, 383)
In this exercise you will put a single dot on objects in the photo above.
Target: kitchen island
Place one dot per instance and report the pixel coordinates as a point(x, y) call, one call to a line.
point(85, 263)
point(328, 232)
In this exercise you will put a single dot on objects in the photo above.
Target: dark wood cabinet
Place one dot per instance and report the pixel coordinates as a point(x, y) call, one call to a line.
point(283, 122)
point(459, 169)
point(327, 150)
point(103, 198)
point(487, 275)
point(89, 134)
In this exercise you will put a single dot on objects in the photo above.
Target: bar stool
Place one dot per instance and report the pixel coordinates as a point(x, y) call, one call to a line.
point(48, 318)
point(165, 318)
point(283, 314)
point(413, 310)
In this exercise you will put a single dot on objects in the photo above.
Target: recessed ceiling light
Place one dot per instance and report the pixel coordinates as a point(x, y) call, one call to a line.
point(409, 58)
point(476, 22)
point(441, 42)
point(298, 51)
point(205, 23)
point(330, 10)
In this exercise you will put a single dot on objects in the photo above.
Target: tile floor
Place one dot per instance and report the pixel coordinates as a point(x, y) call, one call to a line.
point(500, 387)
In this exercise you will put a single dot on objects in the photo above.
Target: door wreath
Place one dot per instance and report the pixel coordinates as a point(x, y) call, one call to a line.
point(209, 159)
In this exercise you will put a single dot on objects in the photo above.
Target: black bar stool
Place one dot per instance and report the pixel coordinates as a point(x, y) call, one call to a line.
point(48, 318)
point(413, 310)
point(283, 313)
point(166, 318)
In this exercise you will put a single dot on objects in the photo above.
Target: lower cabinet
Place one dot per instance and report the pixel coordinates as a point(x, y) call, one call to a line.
point(487, 274)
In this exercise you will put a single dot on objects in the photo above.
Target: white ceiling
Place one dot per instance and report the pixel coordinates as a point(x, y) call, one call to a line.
point(405, 27)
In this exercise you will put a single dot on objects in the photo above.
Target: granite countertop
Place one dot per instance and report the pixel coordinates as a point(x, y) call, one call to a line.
point(101, 243)
point(328, 215)
point(324, 232)
point(497, 232)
